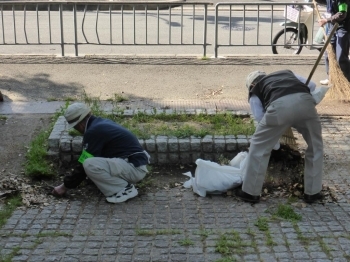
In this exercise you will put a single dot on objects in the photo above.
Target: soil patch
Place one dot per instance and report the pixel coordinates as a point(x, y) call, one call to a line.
point(284, 176)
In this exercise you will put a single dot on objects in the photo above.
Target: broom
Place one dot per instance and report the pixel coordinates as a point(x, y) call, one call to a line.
point(339, 84)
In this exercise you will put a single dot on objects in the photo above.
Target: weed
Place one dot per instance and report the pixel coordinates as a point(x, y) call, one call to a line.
point(204, 233)
point(182, 126)
point(324, 247)
point(186, 242)
point(9, 257)
point(287, 212)
point(262, 224)
point(54, 234)
point(204, 58)
point(10, 205)
point(269, 240)
point(51, 99)
point(146, 182)
point(226, 259)
point(119, 98)
point(146, 232)
point(230, 243)
point(73, 132)
point(292, 199)
point(177, 125)
point(36, 164)
point(2, 117)
point(223, 160)
point(304, 240)
point(69, 99)
point(250, 232)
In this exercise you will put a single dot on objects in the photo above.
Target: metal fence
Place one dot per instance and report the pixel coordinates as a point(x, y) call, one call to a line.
point(79, 24)
point(103, 23)
point(261, 25)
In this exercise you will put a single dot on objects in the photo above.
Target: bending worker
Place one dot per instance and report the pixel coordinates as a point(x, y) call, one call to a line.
point(112, 156)
point(281, 100)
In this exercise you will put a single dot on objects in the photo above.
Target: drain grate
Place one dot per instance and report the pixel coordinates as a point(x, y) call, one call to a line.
point(238, 28)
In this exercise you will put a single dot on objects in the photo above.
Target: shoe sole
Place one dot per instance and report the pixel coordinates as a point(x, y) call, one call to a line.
point(123, 199)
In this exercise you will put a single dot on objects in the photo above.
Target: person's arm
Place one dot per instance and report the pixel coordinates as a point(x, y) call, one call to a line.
point(337, 17)
point(256, 108)
point(317, 93)
point(311, 84)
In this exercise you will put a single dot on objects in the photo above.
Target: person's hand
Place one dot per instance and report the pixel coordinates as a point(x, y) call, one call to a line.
point(322, 21)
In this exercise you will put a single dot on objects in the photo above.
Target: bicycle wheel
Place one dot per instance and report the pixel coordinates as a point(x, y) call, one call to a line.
point(287, 39)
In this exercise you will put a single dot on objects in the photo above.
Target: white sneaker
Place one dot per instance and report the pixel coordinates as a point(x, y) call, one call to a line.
point(128, 192)
point(324, 82)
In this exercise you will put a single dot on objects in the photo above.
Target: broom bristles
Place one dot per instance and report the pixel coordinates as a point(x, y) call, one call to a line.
point(289, 139)
point(339, 84)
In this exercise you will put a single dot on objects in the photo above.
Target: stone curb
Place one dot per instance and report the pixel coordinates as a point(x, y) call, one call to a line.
point(162, 149)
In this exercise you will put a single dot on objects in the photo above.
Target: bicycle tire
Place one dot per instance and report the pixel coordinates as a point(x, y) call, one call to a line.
point(294, 32)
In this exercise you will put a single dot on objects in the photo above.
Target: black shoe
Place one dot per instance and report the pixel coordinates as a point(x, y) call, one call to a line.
point(247, 197)
point(312, 198)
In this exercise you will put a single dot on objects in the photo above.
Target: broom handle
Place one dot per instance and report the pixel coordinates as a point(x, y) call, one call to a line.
point(319, 17)
point(322, 52)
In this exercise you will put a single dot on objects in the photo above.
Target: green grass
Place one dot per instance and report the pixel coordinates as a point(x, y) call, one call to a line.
point(177, 124)
point(262, 224)
point(182, 125)
point(186, 242)
point(231, 243)
point(226, 259)
point(53, 234)
point(203, 233)
point(147, 232)
point(36, 164)
point(73, 132)
point(148, 180)
point(304, 240)
point(2, 117)
point(10, 205)
point(287, 212)
point(10, 256)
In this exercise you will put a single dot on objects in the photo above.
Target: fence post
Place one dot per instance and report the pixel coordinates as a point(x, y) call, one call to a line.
point(216, 32)
point(61, 25)
point(75, 29)
point(205, 30)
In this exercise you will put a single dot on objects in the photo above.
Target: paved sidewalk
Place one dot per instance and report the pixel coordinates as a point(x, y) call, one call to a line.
point(156, 226)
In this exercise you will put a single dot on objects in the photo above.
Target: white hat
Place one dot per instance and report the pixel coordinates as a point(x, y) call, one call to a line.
point(253, 77)
point(76, 113)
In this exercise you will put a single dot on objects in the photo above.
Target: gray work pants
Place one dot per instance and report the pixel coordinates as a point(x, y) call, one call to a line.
point(298, 111)
point(111, 175)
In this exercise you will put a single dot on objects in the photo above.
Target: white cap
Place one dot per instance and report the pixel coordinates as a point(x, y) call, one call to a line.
point(252, 78)
point(76, 113)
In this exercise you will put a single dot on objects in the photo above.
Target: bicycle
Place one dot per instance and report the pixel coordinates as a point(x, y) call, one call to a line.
point(291, 39)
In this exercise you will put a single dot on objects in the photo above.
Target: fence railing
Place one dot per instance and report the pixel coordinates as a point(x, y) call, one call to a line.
point(79, 24)
point(103, 23)
point(265, 25)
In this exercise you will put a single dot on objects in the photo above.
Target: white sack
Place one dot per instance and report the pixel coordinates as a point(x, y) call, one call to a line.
point(210, 177)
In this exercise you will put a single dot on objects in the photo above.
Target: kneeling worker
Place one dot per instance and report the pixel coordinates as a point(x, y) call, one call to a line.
point(281, 100)
point(112, 156)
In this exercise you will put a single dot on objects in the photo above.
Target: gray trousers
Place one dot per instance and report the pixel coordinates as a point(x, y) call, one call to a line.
point(111, 175)
point(298, 111)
